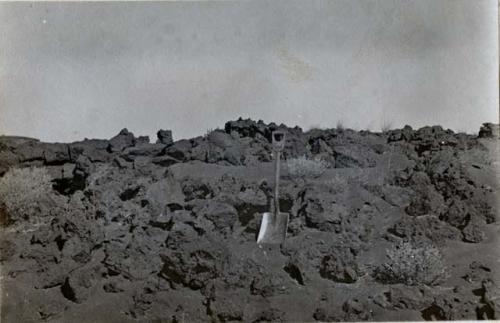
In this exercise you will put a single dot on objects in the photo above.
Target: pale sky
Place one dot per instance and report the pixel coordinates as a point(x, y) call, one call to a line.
point(75, 70)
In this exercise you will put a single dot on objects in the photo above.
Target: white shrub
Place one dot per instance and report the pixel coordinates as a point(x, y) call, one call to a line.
point(23, 189)
point(412, 265)
point(303, 167)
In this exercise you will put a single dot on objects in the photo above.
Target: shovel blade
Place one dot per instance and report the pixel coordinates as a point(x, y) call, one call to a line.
point(273, 233)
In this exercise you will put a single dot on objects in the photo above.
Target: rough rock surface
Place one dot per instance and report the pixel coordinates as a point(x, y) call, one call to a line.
point(166, 231)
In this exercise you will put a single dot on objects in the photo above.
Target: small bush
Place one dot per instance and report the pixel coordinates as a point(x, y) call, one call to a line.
point(314, 127)
point(3, 146)
point(340, 125)
point(412, 265)
point(303, 167)
point(22, 190)
point(208, 132)
point(386, 126)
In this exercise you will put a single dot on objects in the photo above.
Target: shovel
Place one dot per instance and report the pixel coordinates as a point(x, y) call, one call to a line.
point(274, 224)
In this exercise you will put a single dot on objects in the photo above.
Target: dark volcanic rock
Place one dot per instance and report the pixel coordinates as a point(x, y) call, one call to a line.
point(179, 150)
point(489, 130)
point(121, 141)
point(351, 310)
point(144, 149)
point(94, 149)
point(221, 214)
point(77, 285)
point(426, 199)
point(269, 285)
point(166, 231)
point(319, 212)
point(473, 230)
point(7, 249)
point(221, 139)
point(7, 159)
point(194, 270)
point(425, 227)
point(247, 128)
point(340, 265)
point(50, 153)
point(269, 315)
point(164, 137)
point(453, 307)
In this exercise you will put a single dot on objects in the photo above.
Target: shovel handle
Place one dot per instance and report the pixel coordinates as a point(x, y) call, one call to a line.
point(277, 183)
point(278, 139)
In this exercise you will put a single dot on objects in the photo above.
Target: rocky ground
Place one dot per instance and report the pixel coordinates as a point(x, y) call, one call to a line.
point(165, 231)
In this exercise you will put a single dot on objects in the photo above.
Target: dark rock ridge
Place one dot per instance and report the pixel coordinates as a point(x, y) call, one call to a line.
point(489, 130)
point(166, 231)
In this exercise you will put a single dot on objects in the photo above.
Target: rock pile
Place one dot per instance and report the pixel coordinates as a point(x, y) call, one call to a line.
point(166, 231)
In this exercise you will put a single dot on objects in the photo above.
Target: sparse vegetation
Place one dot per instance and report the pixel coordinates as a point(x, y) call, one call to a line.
point(412, 265)
point(208, 132)
point(3, 146)
point(315, 127)
point(386, 126)
point(303, 167)
point(180, 207)
point(21, 191)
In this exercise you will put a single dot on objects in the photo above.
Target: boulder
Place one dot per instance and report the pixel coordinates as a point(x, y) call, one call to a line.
point(179, 150)
point(121, 141)
point(473, 232)
point(164, 137)
point(269, 285)
point(94, 149)
point(164, 161)
point(29, 151)
point(353, 156)
point(340, 265)
point(194, 270)
point(489, 130)
point(76, 286)
point(246, 127)
point(143, 149)
point(142, 140)
point(426, 227)
point(221, 214)
point(56, 154)
point(221, 139)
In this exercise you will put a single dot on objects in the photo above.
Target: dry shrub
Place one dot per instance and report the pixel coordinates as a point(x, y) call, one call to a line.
point(412, 265)
point(303, 167)
point(386, 126)
point(340, 125)
point(22, 190)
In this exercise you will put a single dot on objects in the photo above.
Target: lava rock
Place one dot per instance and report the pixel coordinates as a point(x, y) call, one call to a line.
point(145, 149)
point(473, 231)
point(269, 285)
point(7, 249)
point(76, 287)
point(164, 137)
point(121, 141)
point(164, 161)
point(96, 150)
point(340, 266)
point(356, 310)
point(489, 130)
point(221, 214)
point(425, 227)
point(193, 270)
point(168, 230)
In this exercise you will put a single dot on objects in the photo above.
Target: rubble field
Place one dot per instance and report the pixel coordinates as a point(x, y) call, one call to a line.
point(401, 225)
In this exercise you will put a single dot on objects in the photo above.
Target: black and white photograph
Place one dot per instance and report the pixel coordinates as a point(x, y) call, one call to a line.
point(249, 161)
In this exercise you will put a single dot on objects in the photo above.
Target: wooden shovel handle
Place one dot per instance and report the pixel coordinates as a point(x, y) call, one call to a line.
point(276, 183)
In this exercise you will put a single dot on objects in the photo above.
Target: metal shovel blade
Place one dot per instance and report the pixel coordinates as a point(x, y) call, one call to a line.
point(273, 233)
